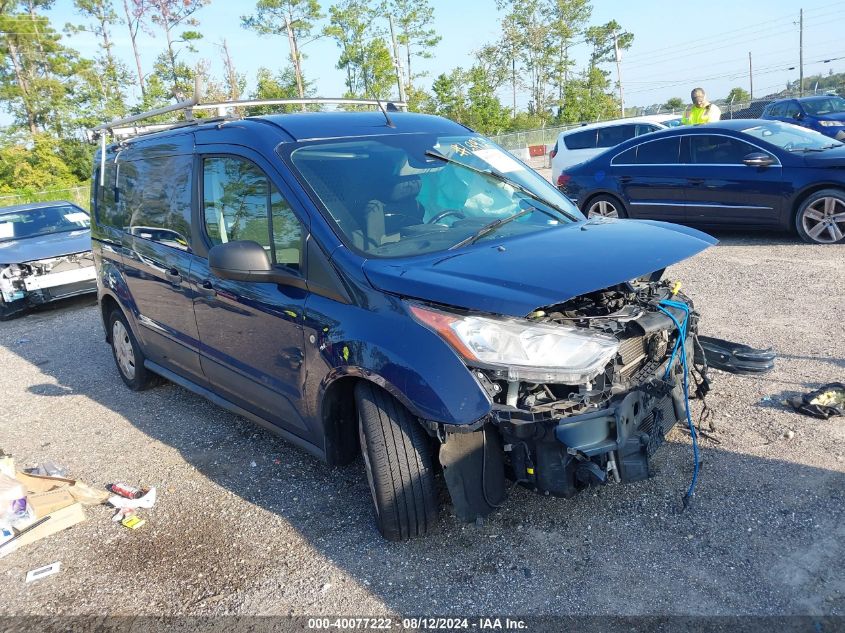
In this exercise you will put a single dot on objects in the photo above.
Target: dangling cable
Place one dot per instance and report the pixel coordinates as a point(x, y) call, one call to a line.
point(681, 342)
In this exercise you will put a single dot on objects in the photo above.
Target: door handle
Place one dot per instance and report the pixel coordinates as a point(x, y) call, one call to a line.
point(695, 181)
point(207, 289)
point(173, 276)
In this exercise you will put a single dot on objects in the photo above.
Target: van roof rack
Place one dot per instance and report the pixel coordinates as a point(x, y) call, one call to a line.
point(121, 129)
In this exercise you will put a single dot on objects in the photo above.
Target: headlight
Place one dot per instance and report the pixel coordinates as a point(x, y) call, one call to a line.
point(533, 352)
point(831, 123)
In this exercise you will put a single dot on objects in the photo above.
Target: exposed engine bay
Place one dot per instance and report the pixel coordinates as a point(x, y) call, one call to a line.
point(45, 280)
point(559, 438)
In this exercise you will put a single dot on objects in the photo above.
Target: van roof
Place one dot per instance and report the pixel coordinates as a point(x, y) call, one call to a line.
point(304, 126)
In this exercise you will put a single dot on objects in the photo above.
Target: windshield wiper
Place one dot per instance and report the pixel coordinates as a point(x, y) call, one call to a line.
point(804, 150)
point(502, 178)
point(489, 228)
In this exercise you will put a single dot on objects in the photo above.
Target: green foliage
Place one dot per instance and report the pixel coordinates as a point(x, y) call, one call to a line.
point(364, 55)
point(280, 86)
point(675, 103)
point(738, 95)
point(43, 164)
point(414, 20)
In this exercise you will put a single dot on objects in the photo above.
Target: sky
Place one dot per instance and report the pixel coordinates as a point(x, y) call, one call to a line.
point(677, 46)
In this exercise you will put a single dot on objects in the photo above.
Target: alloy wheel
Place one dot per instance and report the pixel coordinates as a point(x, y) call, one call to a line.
point(824, 220)
point(604, 209)
point(123, 350)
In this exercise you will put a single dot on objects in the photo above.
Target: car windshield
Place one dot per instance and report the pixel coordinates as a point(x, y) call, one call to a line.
point(42, 221)
point(791, 137)
point(407, 194)
point(821, 107)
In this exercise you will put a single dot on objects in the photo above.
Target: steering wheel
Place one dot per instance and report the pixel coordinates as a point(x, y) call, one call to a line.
point(446, 214)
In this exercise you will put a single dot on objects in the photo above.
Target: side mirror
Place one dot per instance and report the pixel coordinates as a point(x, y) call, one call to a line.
point(799, 116)
point(758, 159)
point(245, 260)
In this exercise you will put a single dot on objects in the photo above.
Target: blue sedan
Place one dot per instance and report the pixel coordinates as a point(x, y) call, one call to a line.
point(824, 113)
point(740, 173)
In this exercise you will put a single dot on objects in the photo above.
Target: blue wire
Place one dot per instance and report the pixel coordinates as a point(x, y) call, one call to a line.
point(681, 342)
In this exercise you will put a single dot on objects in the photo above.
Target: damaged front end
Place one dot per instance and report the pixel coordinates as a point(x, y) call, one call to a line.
point(41, 281)
point(560, 429)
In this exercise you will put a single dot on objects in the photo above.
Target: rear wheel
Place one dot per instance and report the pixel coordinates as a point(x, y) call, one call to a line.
point(398, 461)
point(128, 355)
point(605, 207)
point(821, 217)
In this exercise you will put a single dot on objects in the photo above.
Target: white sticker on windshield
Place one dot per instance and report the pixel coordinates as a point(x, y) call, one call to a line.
point(499, 161)
point(76, 217)
point(7, 229)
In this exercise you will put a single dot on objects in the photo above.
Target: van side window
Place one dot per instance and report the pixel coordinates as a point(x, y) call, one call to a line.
point(155, 199)
point(613, 135)
point(107, 212)
point(238, 203)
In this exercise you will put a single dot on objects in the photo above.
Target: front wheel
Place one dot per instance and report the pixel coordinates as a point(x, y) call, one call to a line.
point(128, 355)
point(605, 207)
point(821, 217)
point(398, 460)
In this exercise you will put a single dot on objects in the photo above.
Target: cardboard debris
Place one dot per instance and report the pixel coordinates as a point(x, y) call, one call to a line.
point(44, 503)
point(40, 483)
point(59, 520)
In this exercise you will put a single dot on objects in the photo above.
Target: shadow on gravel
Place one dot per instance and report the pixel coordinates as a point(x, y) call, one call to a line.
point(747, 237)
point(763, 535)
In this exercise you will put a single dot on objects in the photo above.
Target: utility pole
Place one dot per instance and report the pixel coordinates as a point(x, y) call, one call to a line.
point(801, 53)
point(750, 76)
point(400, 80)
point(619, 74)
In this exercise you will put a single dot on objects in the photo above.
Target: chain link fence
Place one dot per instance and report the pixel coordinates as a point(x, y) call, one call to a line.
point(77, 195)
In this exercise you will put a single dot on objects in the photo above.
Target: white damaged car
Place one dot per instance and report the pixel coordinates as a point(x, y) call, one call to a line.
point(45, 255)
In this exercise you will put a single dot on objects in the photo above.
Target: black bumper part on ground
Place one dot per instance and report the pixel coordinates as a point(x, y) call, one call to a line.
point(735, 358)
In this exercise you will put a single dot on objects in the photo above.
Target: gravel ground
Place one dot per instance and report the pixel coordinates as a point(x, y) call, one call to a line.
point(247, 524)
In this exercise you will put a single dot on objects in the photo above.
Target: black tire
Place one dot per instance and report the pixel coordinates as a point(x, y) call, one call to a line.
point(605, 206)
point(122, 338)
point(821, 218)
point(398, 460)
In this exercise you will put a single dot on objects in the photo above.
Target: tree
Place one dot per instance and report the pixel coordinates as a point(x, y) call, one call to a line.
point(40, 79)
point(527, 31)
point(108, 74)
point(675, 103)
point(569, 18)
point(135, 17)
point(169, 15)
point(281, 86)
point(292, 18)
point(234, 82)
point(414, 19)
point(738, 95)
point(363, 52)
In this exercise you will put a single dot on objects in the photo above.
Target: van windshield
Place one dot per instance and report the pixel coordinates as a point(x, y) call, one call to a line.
point(408, 194)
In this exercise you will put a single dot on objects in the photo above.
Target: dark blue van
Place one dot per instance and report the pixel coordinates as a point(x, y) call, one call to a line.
point(400, 287)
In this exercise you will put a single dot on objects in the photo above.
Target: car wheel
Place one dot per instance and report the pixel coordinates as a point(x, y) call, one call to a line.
point(128, 355)
point(821, 217)
point(398, 460)
point(605, 207)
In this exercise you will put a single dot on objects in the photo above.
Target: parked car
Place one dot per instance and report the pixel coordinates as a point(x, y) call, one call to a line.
point(823, 113)
point(583, 143)
point(45, 255)
point(740, 173)
point(402, 288)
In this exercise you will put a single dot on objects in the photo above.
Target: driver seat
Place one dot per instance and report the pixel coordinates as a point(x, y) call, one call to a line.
point(383, 221)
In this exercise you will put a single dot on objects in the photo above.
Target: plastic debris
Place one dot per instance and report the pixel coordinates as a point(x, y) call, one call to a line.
point(43, 572)
point(47, 469)
point(133, 522)
point(146, 501)
point(825, 402)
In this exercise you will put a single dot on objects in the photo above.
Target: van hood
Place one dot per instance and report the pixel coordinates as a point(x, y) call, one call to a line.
point(30, 249)
point(515, 276)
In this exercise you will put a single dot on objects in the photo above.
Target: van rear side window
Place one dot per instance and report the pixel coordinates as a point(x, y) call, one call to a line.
point(155, 199)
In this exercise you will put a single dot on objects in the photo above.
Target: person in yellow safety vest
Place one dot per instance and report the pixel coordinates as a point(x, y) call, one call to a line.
point(702, 111)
